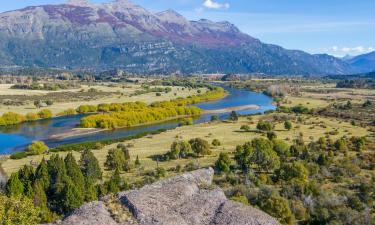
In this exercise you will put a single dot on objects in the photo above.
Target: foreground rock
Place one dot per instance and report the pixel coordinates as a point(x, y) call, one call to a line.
point(189, 199)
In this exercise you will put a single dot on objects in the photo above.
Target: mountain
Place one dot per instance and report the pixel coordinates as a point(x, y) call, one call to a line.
point(364, 63)
point(120, 34)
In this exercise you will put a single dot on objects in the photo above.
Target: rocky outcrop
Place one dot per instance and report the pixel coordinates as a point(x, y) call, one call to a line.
point(188, 199)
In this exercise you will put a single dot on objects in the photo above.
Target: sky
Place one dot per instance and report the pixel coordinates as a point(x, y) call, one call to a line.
point(336, 27)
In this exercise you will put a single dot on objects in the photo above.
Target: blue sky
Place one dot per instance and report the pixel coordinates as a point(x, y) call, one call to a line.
point(336, 27)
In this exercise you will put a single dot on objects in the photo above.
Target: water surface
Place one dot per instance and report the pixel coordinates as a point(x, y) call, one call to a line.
point(15, 138)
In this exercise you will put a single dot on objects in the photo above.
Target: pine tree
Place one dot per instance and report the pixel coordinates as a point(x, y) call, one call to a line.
point(14, 187)
point(71, 197)
point(116, 183)
point(74, 172)
point(90, 166)
point(91, 193)
point(42, 175)
point(40, 197)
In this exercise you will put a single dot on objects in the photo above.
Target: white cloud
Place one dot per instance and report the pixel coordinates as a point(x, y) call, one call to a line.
point(342, 51)
point(212, 4)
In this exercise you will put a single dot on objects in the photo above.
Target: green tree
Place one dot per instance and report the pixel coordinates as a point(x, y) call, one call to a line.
point(215, 118)
point(264, 126)
point(295, 171)
point(71, 197)
point(233, 116)
point(37, 148)
point(180, 149)
point(40, 197)
point(200, 146)
point(288, 125)
point(223, 163)
point(216, 142)
point(91, 192)
point(14, 187)
point(42, 175)
point(281, 148)
point(263, 155)
point(115, 159)
point(341, 145)
point(18, 211)
point(271, 135)
point(116, 183)
point(245, 128)
point(278, 207)
point(74, 172)
point(90, 166)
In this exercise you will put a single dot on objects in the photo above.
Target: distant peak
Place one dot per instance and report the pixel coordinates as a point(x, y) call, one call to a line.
point(169, 12)
point(78, 2)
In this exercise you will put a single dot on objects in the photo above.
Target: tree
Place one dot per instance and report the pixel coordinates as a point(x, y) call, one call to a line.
point(91, 193)
point(116, 183)
point(358, 143)
point(115, 159)
point(74, 172)
point(180, 149)
point(245, 128)
point(263, 156)
point(278, 207)
point(200, 146)
point(42, 175)
point(264, 126)
point(223, 163)
point(281, 148)
point(18, 211)
point(37, 148)
point(233, 116)
point(90, 165)
point(341, 145)
point(288, 125)
point(14, 187)
point(216, 142)
point(71, 197)
point(295, 171)
point(40, 197)
point(271, 135)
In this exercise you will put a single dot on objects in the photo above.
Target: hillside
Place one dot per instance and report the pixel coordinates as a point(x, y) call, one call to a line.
point(120, 34)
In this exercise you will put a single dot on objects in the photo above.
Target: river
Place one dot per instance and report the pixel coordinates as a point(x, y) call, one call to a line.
point(15, 138)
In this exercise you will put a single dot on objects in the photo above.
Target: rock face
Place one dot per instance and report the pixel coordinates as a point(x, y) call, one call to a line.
point(189, 199)
point(123, 35)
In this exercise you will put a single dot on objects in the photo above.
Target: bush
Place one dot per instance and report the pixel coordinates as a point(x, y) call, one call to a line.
point(245, 128)
point(216, 142)
point(32, 116)
point(45, 114)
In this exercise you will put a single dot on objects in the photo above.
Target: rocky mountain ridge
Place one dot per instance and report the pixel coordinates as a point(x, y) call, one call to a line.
point(188, 199)
point(120, 34)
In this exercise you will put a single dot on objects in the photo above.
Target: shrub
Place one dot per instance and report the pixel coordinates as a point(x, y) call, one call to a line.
point(216, 142)
point(223, 163)
point(19, 155)
point(200, 146)
point(32, 116)
point(245, 128)
point(45, 114)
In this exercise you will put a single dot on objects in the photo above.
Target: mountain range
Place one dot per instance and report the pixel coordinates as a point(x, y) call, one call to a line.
point(363, 63)
point(122, 35)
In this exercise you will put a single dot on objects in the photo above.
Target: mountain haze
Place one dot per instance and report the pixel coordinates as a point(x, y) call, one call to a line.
point(120, 34)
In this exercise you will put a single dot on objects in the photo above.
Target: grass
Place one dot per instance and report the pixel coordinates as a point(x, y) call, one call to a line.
point(228, 133)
